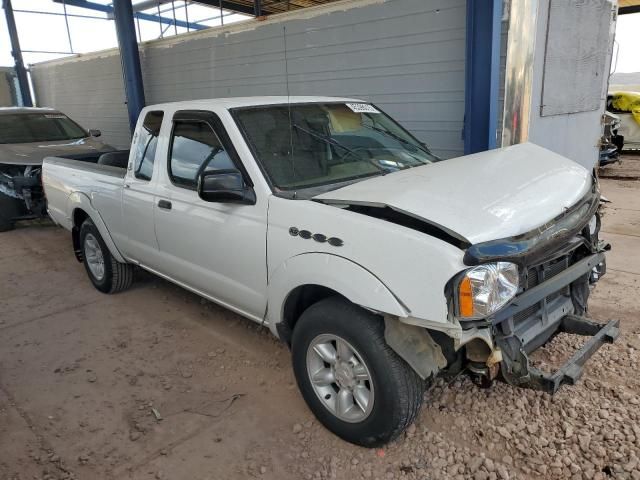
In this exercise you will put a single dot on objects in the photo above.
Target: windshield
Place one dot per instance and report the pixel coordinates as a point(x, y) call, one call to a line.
point(38, 127)
point(311, 145)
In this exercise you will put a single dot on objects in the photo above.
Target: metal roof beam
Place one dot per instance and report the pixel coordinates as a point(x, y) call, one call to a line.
point(228, 5)
point(140, 15)
point(138, 7)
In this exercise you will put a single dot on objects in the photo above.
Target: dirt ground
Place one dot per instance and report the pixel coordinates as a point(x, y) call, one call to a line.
point(155, 383)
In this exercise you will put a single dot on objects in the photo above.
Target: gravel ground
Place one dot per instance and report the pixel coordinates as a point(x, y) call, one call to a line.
point(155, 383)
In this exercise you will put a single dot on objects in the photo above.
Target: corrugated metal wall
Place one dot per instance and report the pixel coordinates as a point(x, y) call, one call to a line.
point(407, 56)
point(504, 38)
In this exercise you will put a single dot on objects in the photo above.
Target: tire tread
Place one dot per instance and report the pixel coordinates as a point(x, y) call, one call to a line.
point(122, 275)
point(119, 275)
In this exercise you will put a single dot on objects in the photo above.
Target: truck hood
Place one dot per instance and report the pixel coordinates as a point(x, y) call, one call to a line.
point(481, 197)
point(34, 153)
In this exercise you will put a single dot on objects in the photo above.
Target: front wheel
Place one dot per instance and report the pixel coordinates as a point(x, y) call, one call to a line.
point(354, 383)
point(105, 272)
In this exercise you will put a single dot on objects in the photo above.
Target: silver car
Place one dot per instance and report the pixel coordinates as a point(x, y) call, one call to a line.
point(27, 135)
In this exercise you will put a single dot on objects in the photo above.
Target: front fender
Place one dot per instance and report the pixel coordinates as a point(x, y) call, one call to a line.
point(78, 200)
point(349, 279)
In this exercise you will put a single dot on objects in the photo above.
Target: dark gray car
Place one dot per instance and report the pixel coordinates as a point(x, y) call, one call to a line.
point(27, 135)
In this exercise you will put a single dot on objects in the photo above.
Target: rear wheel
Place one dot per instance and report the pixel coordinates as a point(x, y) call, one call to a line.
point(354, 383)
point(106, 273)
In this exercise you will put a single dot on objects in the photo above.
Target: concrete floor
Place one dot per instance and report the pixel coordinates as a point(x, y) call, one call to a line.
point(83, 375)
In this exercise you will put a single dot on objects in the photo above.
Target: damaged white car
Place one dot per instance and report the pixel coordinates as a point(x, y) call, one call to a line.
point(323, 219)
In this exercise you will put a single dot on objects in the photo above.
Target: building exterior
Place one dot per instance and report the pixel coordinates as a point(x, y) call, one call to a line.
point(425, 62)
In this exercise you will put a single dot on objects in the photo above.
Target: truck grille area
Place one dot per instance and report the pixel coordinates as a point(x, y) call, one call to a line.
point(538, 274)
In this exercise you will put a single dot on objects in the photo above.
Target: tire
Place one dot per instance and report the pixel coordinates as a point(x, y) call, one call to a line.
point(114, 276)
point(394, 389)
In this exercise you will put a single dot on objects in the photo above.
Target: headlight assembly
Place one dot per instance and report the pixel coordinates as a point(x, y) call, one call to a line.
point(485, 289)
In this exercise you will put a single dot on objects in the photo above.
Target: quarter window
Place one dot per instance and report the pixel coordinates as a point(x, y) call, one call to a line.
point(145, 149)
point(195, 148)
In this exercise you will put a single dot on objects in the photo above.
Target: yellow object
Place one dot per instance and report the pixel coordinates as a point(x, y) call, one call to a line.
point(628, 3)
point(343, 119)
point(628, 102)
point(465, 298)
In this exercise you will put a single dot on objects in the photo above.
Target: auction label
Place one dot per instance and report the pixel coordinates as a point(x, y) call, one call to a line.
point(362, 108)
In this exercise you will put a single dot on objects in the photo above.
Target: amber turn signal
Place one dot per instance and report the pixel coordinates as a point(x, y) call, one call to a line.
point(465, 298)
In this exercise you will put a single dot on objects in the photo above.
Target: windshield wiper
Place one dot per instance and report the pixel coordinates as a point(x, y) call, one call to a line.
point(335, 143)
point(325, 138)
point(389, 133)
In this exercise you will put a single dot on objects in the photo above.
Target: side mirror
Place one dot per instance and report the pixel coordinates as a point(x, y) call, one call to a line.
point(225, 186)
point(95, 133)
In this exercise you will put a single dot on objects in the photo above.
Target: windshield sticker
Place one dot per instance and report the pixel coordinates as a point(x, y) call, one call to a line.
point(362, 108)
point(53, 115)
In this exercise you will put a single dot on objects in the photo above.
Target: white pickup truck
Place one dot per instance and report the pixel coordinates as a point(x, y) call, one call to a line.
point(324, 220)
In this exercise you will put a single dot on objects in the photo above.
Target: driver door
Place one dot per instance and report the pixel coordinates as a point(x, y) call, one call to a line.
point(218, 249)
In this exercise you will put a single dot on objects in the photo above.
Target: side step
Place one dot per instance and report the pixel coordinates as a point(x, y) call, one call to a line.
point(571, 371)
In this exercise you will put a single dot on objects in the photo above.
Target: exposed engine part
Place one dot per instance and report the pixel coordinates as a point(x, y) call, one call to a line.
point(480, 374)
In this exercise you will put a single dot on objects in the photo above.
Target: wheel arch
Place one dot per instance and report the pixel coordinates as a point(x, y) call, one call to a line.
point(81, 209)
point(305, 279)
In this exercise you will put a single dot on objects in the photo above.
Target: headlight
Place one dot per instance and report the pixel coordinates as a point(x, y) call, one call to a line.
point(485, 289)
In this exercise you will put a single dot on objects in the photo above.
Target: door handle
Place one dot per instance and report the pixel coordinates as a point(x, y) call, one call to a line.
point(165, 204)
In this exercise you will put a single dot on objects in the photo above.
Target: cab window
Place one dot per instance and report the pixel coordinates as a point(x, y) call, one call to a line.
point(195, 148)
point(146, 144)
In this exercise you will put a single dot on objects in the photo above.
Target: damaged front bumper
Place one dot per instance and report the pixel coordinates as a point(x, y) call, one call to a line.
point(571, 371)
point(541, 312)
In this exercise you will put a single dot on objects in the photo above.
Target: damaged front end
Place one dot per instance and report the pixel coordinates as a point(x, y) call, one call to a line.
point(21, 194)
point(557, 266)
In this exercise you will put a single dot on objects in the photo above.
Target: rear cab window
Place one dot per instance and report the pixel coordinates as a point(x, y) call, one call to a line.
point(146, 144)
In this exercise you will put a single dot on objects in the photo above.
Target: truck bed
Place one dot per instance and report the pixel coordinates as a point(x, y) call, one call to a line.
point(83, 165)
point(63, 177)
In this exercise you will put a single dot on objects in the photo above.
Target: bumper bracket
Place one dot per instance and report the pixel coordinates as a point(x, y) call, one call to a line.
point(572, 370)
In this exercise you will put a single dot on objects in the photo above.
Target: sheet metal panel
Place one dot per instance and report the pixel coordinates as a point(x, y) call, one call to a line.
point(576, 51)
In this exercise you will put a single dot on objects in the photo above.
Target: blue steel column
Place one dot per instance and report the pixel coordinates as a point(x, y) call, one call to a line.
point(21, 72)
point(482, 74)
point(130, 58)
